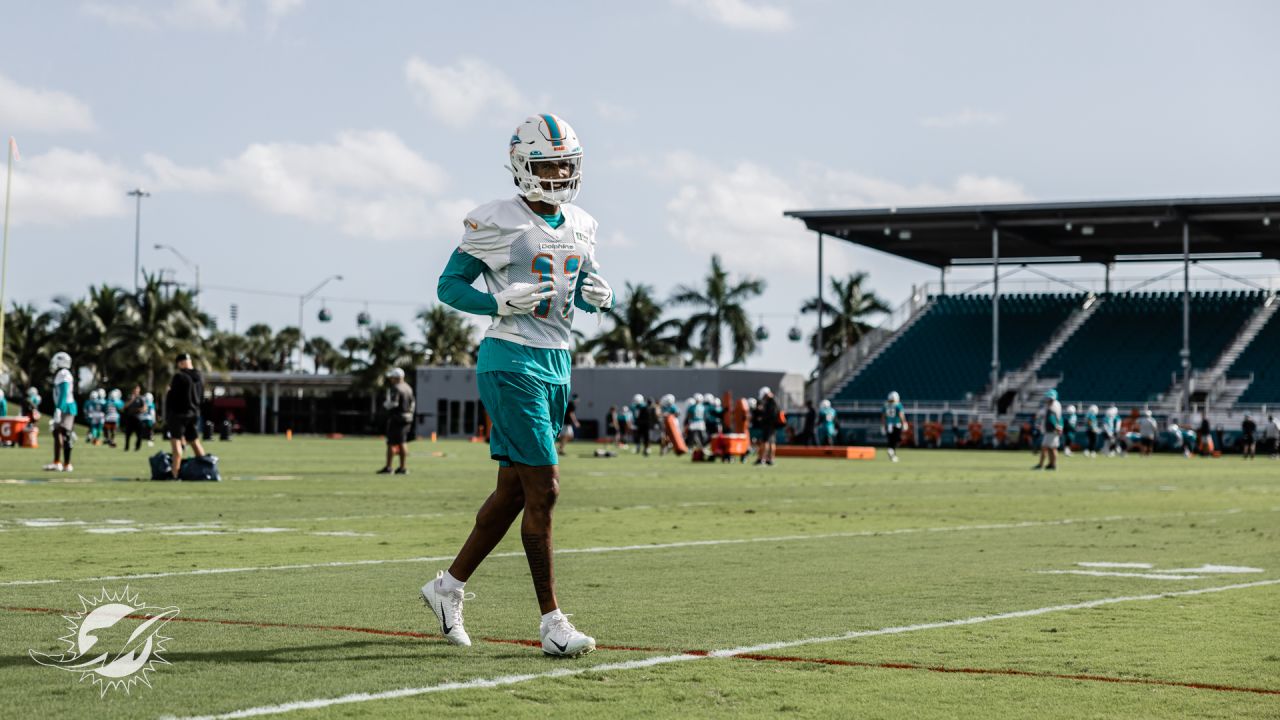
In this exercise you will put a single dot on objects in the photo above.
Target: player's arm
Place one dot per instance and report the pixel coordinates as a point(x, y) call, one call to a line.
point(455, 290)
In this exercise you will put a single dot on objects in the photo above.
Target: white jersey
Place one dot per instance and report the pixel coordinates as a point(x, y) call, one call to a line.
point(518, 246)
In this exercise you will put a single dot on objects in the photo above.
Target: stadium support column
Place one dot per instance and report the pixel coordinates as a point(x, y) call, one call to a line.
point(275, 408)
point(262, 409)
point(817, 400)
point(1186, 317)
point(995, 316)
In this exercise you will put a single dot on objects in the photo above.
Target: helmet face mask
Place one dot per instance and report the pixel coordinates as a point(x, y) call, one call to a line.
point(546, 160)
point(60, 361)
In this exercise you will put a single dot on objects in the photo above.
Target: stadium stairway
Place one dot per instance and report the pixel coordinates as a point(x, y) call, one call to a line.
point(866, 350)
point(1214, 386)
point(944, 355)
point(1025, 381)
point(1128, 349)
point(1260, 361)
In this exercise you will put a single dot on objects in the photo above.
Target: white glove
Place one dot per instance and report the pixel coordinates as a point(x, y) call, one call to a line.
point(597, 292)
point(522, 298)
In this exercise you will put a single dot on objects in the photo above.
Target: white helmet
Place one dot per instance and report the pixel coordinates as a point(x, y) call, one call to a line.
point(718, 402)
point(60, 361)
point(637, 399)
point(149, 397)
point(751, 402)
point(1093, 409)
point(395, 373)
point(824, 404)
point(697, 397)
point(765, 391)
point(1113, 411)
point(546, 138)
point(1071, 408)
point(1148, 413)
point(116, 394)
point(893, 396)
point(667, 399)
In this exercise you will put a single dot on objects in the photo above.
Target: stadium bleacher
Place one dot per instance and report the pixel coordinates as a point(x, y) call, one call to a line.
point(946, 353)
point(1262, 358)
point(1128, 349)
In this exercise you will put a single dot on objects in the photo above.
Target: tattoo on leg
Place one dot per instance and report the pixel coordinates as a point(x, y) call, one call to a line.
point(537, 548)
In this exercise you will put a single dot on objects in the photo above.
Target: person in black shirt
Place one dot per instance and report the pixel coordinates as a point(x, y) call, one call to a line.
point(568, 429)
point(770, 422)
point(1249, 429)
point(182, 410)
point(134, 411)
point(808, 430)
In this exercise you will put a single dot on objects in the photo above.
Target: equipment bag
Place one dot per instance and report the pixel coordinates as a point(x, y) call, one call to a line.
point(161, 466)
point(202, 468)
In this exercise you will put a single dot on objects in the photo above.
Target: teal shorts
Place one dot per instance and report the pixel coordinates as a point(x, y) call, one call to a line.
point(525, 415)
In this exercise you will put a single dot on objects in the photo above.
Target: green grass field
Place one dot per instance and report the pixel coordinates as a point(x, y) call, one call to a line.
point(942, 586)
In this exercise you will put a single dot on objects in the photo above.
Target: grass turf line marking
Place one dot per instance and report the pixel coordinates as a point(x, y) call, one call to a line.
point(744, 656)
point(1107, 573)
point(683, 657)
point(604, 549)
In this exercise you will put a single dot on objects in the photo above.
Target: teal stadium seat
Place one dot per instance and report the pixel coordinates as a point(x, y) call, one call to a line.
point(1262, 358)
point(1128, 349)
point(946, 354)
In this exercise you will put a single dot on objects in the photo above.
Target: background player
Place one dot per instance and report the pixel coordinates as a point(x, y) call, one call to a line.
point(826, 423)
point(64, 413)
point(894, 419)
point(537, 255)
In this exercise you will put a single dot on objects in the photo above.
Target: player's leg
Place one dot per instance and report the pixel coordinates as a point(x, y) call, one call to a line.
point(68, 441)
point(57, 450)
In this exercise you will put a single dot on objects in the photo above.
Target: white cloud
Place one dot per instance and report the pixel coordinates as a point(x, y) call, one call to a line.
point(215, 15)
point(49, 111)
point(367, 184)
point(63, 186)
point(963, 118)
point(741, 14)
point(457, 94)
point(737, 211)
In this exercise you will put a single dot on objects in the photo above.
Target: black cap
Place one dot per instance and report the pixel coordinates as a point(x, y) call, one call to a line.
point(182, 356)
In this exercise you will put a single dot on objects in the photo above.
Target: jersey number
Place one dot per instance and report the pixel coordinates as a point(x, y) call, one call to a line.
point(544, 265)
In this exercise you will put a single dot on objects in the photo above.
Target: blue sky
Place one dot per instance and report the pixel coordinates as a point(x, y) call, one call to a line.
point(287, 140)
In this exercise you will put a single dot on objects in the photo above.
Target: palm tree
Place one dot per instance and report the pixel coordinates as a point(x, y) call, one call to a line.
point(849, 309)
point(227, 351)
point(639, 333)
point(447, 337)
point(260, 353)
point(28, 343)
point(719, 308)
point(283, 345)
point(351, 345)
point(153, 330)
point(386, 347)
point(322, 352)
point(86, 328)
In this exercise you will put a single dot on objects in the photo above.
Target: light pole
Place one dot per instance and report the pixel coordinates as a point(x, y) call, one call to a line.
point(302, 300)
point(138, 193)
point(183, 258)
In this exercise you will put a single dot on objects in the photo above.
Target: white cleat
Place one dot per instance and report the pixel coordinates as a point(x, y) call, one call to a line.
point(447, 607)
point(561, 639)
point(68, 468)
point(895, 458)
point(54, 467)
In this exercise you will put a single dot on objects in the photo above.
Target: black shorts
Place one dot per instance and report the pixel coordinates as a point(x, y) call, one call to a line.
point(895, 436)
point(397, 431)
point(182, 427)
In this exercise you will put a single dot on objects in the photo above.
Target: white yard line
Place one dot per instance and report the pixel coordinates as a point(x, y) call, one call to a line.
point(605, 549)
point(683, 657)
point(1110, 573)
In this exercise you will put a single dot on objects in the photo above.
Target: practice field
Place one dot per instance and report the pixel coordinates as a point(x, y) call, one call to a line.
point(951, 584)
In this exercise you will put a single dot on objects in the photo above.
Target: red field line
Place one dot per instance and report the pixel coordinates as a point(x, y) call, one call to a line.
point(745, 656)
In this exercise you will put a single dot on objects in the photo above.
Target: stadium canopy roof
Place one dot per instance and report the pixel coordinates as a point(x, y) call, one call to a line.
point(1225, 228)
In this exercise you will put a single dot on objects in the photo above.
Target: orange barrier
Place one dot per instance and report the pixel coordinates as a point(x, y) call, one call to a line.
point(13, 430)
point(671, 429)
point(842, 452)
point(730, 444)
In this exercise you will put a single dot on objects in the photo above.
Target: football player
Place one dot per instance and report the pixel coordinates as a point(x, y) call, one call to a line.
point(894, 420)
point(826, 423)
point(64, 413)
point(537, 254)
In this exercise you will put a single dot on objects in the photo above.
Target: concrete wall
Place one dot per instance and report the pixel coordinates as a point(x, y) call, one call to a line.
point(597, 389)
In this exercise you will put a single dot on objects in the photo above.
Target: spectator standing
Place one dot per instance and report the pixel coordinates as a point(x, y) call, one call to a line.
point(400, 406)
point(182, 411)
point(770, 420)
point(1249, 431)
point(134, 412)
point(808, 430)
